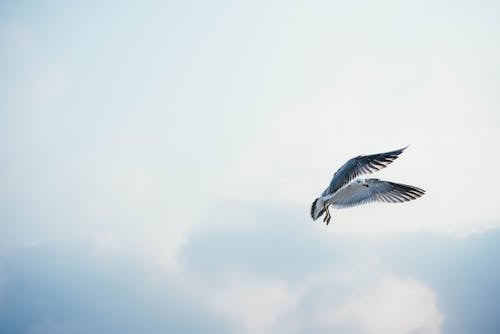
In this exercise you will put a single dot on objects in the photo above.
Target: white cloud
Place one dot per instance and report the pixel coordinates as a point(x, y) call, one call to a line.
point(49, 84)
point(257, 306)
point(391, 305)
point(349, 301)
point(16, 38)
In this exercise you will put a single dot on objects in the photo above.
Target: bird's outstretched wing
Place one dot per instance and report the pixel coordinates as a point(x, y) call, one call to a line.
point(363, 164)
point(375, 190)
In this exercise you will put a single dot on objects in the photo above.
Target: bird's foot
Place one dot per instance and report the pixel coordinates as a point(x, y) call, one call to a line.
point(327, 217)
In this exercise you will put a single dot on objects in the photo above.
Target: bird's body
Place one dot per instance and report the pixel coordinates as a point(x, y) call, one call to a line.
point(346, 189)
point(347, 192)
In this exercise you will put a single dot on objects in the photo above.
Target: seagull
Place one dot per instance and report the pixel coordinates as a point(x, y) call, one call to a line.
point(347, 189)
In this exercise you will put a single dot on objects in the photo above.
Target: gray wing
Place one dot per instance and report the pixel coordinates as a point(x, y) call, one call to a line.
point(376, 190)
point(363, 164)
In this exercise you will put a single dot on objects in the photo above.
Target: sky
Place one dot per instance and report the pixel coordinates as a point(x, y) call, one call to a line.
point(159, 161)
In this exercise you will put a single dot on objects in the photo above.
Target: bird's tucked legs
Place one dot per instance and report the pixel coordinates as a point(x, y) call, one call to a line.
point(327, 215)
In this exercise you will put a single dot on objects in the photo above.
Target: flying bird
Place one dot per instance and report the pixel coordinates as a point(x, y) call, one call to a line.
point(347, 189)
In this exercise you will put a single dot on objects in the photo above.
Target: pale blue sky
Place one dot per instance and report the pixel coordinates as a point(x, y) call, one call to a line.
point(160, 159)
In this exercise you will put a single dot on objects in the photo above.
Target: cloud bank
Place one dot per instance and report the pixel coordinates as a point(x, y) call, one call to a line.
point(275, 275)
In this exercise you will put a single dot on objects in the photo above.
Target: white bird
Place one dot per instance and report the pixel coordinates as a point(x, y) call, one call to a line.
point(347, 190)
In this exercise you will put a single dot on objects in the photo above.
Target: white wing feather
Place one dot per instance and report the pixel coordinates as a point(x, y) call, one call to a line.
point(374, 190)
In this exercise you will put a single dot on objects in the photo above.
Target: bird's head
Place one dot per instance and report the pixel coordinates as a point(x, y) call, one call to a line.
point(317, 208)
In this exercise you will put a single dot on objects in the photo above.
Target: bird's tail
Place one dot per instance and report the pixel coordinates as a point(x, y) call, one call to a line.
point(316, 210)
